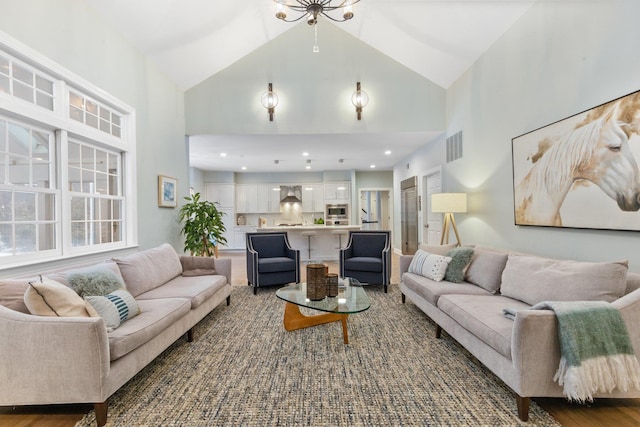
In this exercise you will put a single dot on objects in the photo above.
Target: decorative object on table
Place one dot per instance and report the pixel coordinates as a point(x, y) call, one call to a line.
point(167, 190)
point(203, 227)
point(241, 220)
point(566, 174)
point(448, 204)
point(331, 281)
point(316, 287)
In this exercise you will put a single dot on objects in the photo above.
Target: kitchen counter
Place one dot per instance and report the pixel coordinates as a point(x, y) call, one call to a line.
point(324, 245)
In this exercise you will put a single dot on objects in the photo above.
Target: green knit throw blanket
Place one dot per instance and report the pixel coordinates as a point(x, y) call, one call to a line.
point(597, 354)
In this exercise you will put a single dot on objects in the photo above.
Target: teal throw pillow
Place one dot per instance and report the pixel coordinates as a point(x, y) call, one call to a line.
point(460, 258)
point(114, 308)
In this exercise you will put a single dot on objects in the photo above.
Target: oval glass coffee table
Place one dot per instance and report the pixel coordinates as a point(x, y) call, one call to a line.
point(351, 299)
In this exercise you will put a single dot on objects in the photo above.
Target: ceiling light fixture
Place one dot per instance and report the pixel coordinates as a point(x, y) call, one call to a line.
point(311, 9)
point(269, 101)
point(360, 99)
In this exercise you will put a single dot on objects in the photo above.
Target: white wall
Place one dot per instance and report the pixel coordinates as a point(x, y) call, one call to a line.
point(559, 59)
point(70, 33)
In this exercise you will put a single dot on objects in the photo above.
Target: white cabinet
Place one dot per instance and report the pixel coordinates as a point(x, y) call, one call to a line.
point(221, 193)
point(247, 198)
point(268, 198)
point(337, 192)
point(312, 198)
point(240, 236)
point(228, 218)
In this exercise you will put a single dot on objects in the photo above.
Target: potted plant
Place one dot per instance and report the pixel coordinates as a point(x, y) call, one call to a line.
point(202, 227)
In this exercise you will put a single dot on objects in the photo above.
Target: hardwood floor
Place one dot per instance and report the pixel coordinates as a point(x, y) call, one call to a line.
point(601, 413)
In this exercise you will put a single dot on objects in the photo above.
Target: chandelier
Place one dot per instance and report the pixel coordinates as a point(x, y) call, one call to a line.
point(311, 9)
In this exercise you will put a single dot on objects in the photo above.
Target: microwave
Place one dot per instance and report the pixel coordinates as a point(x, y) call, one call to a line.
point(336, 212)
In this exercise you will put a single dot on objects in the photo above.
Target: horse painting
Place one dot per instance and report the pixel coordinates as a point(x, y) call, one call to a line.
point(596, 151)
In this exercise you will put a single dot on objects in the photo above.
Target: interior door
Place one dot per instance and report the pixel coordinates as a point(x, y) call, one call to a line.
point(409, 212)
point(432, 221)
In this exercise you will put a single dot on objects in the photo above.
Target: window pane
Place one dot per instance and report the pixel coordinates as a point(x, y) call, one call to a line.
point(91, 107)
point(40, 145)
point(77, 115)
point(74, 179)
point(77, 209)
point(19, 171)
point(105, 126)
point(102, 183)
point(46, 237)
point(25, 238)
point(22, 74)
point(74, 154)
point(101, 161)
point(92, 121)
point(23, 92)
point(76, 100)
point(116, 230)
point(88, 158)
point(4, 84)
point(45, 101)
point(105, 114)
point(105, 232)
point(44, 85)
point(46, 207)
point(115, 131)
point(5, 206)
point(41, 174)
point(4, 66)
point(3, 135)
point(78, 234)
point(94, 233)
point(19, 140)
point(25, 204)
point(88, 184)
point(117, 210)
point(6, 239)
point(105, 209)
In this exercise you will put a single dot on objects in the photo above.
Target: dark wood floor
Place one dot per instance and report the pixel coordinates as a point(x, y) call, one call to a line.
point(601, 413)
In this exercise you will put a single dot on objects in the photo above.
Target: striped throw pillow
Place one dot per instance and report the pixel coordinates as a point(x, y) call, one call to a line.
point(429, 265)
point(114, 308)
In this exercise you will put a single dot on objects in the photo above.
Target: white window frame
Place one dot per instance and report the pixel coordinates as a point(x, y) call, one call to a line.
point(65, 127)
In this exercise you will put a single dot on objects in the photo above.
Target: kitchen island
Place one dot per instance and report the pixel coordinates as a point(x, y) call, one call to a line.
point(324, 245)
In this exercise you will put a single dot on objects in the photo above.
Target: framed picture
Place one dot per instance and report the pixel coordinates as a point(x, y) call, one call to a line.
point(582, 171)
point(167, 188)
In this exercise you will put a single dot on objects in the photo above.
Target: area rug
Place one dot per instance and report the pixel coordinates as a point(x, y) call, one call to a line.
point(244, 369)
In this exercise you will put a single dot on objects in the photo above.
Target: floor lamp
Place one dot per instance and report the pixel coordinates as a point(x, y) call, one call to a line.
point(448, 204)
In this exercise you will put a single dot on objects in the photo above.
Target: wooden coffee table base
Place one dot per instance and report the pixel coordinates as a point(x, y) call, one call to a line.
point(294, 319)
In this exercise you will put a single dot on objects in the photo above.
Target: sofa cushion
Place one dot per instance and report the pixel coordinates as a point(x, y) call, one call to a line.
point(12, 294)
point(276, 264)
point(196, 289)
point(437, 249)
point(432, 290)
point(482, 315)
point(47, 297)
point(432, 266)
point(62, 276)
point(535, 279)
point(155, 316)
point(149, 269)
point(460, 258)
point(115, 308)
point(362, 263)
point(197, 265)
point(269, 246)
point(368, 245)
point(485, 269)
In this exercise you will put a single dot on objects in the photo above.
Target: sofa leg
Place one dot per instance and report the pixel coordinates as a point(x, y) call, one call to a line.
point(190, 335)
point(438, 331)
point(229, 300)
point(523, 407)
point(404, 298)
point(255, 290)
point(101, 413)
point(385, 289)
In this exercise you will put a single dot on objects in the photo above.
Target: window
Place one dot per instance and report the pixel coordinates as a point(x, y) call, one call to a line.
point(62, 170)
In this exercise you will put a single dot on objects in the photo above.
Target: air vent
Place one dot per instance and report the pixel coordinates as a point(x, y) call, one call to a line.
point(454, 147)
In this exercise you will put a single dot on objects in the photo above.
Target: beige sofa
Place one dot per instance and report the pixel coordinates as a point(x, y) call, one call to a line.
point(56, 360)
point(525, 352)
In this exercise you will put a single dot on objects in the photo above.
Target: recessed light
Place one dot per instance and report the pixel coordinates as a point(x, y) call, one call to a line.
point(223, 154)
point(308, 166)
point(244, 168)
point(372, 166)
point(387, 152)
point(305, 154)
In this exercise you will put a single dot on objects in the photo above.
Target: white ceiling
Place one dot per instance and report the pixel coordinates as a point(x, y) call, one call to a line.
point(438, 39)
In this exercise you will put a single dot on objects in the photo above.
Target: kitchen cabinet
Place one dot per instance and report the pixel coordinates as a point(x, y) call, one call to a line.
point(313, 198)
point(247, 198)
point(268, 198)
point(337, 192)
point(221, 193)
point(228, 219)
point(240, 236)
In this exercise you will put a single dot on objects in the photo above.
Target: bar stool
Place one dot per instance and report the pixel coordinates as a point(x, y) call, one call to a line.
point(339, 233)
point(309, 235)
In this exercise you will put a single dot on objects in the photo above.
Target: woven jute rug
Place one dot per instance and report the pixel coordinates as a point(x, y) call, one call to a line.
point(244, 369)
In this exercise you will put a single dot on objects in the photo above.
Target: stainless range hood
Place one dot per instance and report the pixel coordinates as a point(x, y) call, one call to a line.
point(290, 194)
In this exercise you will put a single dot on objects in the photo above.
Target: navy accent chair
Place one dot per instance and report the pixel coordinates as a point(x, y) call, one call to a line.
point(271, 260)
point(367, 257)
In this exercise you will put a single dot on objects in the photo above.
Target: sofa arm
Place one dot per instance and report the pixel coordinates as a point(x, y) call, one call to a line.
point(51, 359)
point(629, 306)
point(223, 268)
point(405, 261)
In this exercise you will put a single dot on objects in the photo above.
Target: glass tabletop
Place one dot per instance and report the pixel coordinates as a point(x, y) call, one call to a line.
point(351, 297)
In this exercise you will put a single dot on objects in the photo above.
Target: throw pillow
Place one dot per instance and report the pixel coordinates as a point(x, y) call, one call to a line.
point(197, 265)
point(12, 294)
point(431, 266)
point(95, 281)
point(460, 258)
point(50, 298)
point(437, 249)
point(535, 279)
point(114, 308)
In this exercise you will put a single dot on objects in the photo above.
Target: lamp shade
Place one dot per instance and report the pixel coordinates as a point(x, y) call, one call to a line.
point(448, 202)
